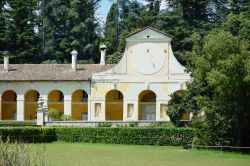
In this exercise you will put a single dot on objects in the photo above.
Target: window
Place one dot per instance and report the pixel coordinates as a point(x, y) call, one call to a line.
point(130, 110)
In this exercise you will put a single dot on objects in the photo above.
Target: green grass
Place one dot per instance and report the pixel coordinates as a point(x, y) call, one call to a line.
point(77, 154)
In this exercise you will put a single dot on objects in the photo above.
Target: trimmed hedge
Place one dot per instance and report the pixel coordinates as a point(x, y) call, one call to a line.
point(28, 134)
point(135, 136)
point(7, 123)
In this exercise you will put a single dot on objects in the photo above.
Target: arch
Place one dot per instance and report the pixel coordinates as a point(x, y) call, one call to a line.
point(147, 105)
point(9, 105)
point(56, 101)
point(114, 105)
point(30, 104)
point(79, 105)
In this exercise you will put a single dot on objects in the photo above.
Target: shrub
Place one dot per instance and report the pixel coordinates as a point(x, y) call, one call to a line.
point(65, 118)
point(104, 124)
point(28, 134)
point(177, 107)
point(133, 124)
point(53, 114)
point(17, 123)
point(136, 136)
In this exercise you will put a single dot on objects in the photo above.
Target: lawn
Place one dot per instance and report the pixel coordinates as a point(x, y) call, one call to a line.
point(77, 154)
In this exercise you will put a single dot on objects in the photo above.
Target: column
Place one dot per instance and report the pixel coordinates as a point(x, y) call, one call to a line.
point(89, 109)
point(67, 105)
point(135, 117)
point(158, 111)
point(20, 107)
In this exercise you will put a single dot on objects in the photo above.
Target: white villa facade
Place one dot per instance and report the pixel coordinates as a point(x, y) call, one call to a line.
point(135, 89)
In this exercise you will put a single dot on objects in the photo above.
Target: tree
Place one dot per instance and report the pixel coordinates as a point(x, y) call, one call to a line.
point(123, 18)
point(2, 26)
point(18, 30)
point(110, 30)
point(177, 106)
point(70, 25)
point(219, 66)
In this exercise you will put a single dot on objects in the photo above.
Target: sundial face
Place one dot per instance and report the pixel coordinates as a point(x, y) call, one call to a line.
point(147, 58)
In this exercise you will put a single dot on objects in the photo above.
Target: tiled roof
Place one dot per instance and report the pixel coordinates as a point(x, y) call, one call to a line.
point(50, 72)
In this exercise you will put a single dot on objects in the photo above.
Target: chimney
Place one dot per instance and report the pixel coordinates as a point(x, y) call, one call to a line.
point(103, 49)
point(74, 54)
point(6, 65)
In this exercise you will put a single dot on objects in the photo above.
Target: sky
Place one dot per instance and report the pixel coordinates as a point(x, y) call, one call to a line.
point(105, 5)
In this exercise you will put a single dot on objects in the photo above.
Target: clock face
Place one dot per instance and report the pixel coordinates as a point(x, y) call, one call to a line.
point(147, 58)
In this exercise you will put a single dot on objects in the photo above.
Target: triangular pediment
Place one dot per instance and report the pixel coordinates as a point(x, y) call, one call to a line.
point(148, 33)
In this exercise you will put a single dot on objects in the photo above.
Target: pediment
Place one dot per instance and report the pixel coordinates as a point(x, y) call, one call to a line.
point(148, 34)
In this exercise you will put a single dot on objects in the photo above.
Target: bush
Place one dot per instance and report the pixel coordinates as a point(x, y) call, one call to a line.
point(177, 107)
point(53, 114)
point(17, 123)
point(104, 124)
point(65, 118)
point(135, 136)
point(28, 134)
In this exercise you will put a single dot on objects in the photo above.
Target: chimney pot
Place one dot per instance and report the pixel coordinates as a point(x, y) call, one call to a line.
point(6, 60)
point(74, 54)
point(103, 49)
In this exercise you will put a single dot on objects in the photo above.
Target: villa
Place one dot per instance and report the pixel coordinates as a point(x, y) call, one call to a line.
point(135, 89)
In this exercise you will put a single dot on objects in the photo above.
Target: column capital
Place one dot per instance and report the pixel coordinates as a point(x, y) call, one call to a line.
point(67, 98)
point(20, 97)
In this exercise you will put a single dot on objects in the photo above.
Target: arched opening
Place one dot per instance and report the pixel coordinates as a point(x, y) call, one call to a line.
point(114, 105)
point(79, 105)
point(56, 101)
point(9, 105)
point(31, 105)
point(147, 105)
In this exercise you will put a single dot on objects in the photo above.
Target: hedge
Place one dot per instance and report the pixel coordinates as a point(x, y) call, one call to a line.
point(135, 136)
point(7, 123)
point(28, 134)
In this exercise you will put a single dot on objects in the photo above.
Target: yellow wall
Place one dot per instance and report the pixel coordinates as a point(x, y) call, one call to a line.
point(145, 96)
point(30, 110)
point(32, 96)
point(8, 105)
point(79, 95)
point(30, 107)
point(100, 89)
point(114, 105)
point(54, 101)
point(78, 109)
point(78, 105)
point(114, 111)
point(185, 116)
point(55, 96)
point(8, 110)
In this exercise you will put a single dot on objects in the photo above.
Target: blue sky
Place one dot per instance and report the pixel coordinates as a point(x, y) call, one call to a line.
point(102, 11)
point(105, 5)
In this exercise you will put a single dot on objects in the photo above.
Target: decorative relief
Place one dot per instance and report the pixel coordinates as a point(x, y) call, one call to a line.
point(163, 109)
point(97, 109)
point(130, 110)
